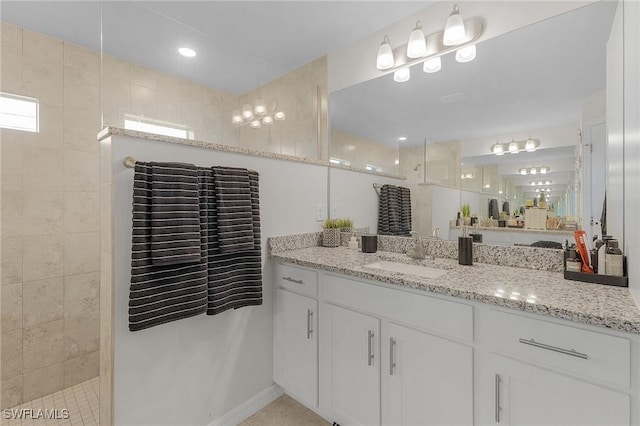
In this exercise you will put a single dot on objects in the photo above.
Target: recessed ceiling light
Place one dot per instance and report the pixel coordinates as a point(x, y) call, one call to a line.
point(402, 138)
point(187, 52)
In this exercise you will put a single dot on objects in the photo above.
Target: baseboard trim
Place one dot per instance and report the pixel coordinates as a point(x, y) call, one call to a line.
point(249, 407)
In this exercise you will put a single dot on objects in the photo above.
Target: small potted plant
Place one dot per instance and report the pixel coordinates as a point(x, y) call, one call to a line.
point(345, 225)
point(466, 214)
point(331, 233)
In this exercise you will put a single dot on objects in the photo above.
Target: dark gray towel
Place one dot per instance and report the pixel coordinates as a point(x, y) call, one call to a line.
point(159, 293)
point(175, 216)
point(494, 212)
point(235, 223)
point(394, 210)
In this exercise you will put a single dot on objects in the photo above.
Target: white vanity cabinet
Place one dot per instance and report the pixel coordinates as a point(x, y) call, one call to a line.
point(296, 333)
point(537, 372)
point(392, 357)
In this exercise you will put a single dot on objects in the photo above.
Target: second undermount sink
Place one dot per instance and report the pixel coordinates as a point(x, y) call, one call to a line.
point(405, 268)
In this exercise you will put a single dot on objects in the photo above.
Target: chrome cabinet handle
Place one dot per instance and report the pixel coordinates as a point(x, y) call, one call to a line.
point(309, 323)
point(392, 355)
point(571, 352)
point(497, 405)
point(370, 357)
point(292, 280)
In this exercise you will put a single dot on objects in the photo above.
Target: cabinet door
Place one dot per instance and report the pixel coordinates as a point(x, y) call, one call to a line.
point(296, 346)
point(528, 395)
point(430, 379)
point(353, 366)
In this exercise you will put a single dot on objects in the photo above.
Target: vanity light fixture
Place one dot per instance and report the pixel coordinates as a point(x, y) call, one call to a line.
point(533, 171)
point(466, 176)
point(402, 75)
point(514, 147)
point(385, 55)
point(454, 31)
point(458, 36)
point(187, 52)
point(257, 114)
point(539, 183)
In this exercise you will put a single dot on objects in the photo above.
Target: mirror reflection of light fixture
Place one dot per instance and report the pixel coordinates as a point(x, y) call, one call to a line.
point(385, 55)
point(402, 75)
point(529, 145)
point(257, 114)
point(432, 65)
point(466, 54)
point(417, 46)
point(539, 183)
point(454, 31)
point(535, 170)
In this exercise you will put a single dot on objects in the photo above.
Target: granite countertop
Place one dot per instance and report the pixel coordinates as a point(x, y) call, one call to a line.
point(473, 229)
point(539, 292)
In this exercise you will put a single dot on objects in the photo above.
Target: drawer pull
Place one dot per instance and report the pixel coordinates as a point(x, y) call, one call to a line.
point(293, 280)
point(370, 354)
point(392, 355)
point(309, 323)
point(571, 352)
point(497, 397)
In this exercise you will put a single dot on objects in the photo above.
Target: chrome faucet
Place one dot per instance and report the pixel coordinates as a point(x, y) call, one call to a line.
point(417, 252)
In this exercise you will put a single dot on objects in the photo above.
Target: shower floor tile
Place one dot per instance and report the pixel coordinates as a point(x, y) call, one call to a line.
point(81, 402)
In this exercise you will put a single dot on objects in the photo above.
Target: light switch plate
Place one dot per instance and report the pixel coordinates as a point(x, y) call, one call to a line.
point(334, 211)
point(321, 212)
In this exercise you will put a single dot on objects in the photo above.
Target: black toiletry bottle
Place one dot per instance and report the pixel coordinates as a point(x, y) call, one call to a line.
point(458, 220)
point(465, 248)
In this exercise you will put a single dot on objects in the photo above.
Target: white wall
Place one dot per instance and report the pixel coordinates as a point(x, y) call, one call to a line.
point(632, 141)
point(355, 63)
point(192, 371)
point(353, 194)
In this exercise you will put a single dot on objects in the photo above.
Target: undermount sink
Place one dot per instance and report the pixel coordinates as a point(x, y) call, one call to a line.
point(421, 271)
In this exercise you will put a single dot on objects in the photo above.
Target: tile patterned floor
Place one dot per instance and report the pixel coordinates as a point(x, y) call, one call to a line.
point(81, 401)
point(285, 411)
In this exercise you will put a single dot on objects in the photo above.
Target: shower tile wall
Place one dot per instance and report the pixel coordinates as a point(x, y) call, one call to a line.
point(50, 219)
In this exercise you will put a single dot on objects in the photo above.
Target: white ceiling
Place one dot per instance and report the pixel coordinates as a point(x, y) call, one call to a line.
point(241, 45)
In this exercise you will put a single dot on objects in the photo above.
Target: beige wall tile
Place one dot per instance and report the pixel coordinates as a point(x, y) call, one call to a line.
point(42, 257)
point(11, 213)
point(11, 309)
point(81, 171)
point(81, 294)
point(11, 355)
point(81, 253)
point(42, 67)
point(42, 169)
point(44, 381)
point(11, 163)
point(81, 89)
point(42, 345)
point(82, 368)
point(143, 76)
point(81, 58)
point(11, 260)
point(80, 128)
point(81, 335)
point(11, 392)
point(143, 102)
point(10, 58)
point(42, 301)
point(81, 212)
point(42, 213)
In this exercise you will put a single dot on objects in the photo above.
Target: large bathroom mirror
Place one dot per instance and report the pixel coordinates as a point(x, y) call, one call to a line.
point(544, 84)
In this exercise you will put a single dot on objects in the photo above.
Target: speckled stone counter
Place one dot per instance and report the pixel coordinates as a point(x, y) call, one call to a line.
point(539, 292)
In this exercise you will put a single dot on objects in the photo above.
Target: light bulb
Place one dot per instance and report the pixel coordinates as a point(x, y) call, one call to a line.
point(260, 107)
point(466, 54)
point(523, 172)
point(530, 146)
point(255, 124)
point(533, 171)
point(498, 149)
point(432, 65)
point(267, 120)
point(417, 46)
point(543, 170)
point(280, 115)
point(548, 182)
point(462, 176)
point(539, 182)
point(454, 31)
point(513, 147)
point(532, 183)
point(236, 117)
point(385, 55)
point(247, 112)
point(402, 75)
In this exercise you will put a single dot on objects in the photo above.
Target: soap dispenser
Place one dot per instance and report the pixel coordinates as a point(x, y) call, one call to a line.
point(353, 243)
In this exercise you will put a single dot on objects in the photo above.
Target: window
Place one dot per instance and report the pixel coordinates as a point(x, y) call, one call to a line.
point(158, 128)
point(18, 112)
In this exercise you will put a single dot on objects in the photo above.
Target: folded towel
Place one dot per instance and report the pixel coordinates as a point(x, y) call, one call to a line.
point(159, 293)
point(394, 210)
point(175, 216)
point(234, 218)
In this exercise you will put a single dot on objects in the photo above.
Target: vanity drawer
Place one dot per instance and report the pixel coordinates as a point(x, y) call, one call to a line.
point(589, 354)
point(299, 280)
